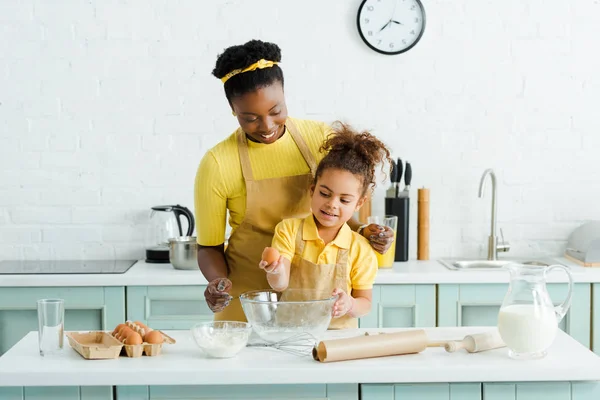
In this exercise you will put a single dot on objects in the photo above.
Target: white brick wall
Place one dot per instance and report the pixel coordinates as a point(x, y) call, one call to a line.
point(106, 108)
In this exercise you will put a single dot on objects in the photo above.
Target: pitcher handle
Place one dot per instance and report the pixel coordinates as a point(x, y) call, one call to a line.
point(561, 309)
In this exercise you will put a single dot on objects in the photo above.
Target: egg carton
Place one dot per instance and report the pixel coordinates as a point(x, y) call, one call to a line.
point(148, 349)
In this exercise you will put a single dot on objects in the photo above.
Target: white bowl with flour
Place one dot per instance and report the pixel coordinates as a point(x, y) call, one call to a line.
point(221, 339)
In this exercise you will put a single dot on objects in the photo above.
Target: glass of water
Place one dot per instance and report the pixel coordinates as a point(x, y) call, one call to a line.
point(51, 321)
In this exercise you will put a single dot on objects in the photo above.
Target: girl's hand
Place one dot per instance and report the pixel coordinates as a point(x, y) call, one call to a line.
point(273, 268)
point(381, 237)
point(343, 305)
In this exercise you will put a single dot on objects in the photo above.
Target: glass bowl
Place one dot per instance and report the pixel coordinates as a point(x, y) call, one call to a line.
point(277, 316)
point(221, 339)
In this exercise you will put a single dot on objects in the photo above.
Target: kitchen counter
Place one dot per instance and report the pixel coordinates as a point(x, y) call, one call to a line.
point(184, 364)
point(410, 272)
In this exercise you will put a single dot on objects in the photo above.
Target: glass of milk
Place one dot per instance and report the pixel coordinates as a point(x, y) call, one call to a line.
point(528, 320)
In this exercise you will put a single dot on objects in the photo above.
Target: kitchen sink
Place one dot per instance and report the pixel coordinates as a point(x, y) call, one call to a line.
point(482, 264)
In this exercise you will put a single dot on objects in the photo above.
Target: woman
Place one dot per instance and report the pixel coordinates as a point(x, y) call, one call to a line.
point(260, 175)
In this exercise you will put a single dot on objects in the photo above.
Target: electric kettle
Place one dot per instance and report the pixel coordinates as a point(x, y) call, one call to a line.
point(165, 223)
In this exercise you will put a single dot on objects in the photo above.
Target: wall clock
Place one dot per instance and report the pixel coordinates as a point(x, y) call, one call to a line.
point(391, 26)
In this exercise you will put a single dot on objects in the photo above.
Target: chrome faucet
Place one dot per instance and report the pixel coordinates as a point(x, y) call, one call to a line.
point(493, 246)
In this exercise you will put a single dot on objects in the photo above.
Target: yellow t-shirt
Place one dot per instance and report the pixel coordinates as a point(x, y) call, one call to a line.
point(220, 187)
point(362, 262)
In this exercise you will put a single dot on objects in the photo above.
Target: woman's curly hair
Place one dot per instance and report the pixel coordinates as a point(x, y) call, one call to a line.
point(355, 152)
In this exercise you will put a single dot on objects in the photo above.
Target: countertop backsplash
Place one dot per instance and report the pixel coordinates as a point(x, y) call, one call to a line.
point(106, 109)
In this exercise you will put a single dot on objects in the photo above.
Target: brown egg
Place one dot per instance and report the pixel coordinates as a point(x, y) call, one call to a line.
point(118, 329)
point(144, 327)
point(270, 255)
point(154, 337)
point(133, 338)
point(124, 333)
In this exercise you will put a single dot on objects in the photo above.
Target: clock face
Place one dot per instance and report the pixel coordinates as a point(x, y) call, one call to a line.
point(391, 26)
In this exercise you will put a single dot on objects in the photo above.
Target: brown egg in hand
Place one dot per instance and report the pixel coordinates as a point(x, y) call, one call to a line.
point(154, 337)
point(270, 255)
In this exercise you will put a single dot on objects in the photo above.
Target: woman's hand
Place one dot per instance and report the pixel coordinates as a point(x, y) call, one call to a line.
point(217, 294)
point(381, 237)
point(273, 268)
point(343, 305)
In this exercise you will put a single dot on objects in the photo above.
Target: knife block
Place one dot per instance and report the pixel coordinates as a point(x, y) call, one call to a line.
point(400, 207)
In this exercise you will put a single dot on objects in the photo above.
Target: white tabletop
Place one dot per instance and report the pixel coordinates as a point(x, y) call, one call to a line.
point(410, 272)
point(184, 364)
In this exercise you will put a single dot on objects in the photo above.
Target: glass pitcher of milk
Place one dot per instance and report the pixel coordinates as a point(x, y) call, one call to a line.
point(528, 320)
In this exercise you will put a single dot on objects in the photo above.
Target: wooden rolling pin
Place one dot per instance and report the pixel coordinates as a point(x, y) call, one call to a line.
point(476, 343)
point(398, 343)
point(370, 346)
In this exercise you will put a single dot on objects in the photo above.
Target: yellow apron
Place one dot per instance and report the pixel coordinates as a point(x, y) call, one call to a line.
point(321, 278)
point(268, 201)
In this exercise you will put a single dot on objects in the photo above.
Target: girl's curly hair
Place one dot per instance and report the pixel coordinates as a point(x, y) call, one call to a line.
point(355, 152)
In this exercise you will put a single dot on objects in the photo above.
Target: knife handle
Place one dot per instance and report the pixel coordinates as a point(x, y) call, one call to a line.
point(408, 174)
point(393, 172)
point(400, 170)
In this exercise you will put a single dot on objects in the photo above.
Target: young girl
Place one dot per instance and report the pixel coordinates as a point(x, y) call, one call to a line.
point(321, 253)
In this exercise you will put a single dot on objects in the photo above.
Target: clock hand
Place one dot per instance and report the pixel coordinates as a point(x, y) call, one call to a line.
point(385, 26)
point(399, 23)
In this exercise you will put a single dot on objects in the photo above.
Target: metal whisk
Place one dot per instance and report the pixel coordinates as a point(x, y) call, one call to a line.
point(299, 344)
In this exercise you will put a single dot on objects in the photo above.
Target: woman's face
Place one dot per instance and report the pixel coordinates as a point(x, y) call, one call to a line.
point(262, 113)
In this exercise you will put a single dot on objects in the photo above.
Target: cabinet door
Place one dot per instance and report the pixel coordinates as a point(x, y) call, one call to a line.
point(596, 318)
point(168, 307)
point(429, 391)
point(86, 308)
point(542, 390)
point(245, 392)
point(479, 304)
point(57, 393)
point(401, 306)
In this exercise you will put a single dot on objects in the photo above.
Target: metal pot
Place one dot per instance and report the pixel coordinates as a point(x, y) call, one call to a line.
point(183, 252)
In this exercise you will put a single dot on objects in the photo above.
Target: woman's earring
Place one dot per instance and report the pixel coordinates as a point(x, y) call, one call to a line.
point(233, 113)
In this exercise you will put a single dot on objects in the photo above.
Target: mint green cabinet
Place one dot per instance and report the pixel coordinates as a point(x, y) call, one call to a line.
point(596, 318)
point(180, 307)
point(478, 305)
point(245, 392)
point(86, 308)
point(425, 391)
point(401, 306)
point(483, 391)
point(57, 393)
point(168, 307)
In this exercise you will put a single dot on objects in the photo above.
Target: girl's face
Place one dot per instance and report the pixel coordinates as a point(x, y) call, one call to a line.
point(262, 113)
point(335, 197)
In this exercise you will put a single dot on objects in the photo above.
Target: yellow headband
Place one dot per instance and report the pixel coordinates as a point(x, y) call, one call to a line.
point(260, 64)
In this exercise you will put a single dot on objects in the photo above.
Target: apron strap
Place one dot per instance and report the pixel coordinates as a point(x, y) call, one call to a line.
point(244, 156)
point(341, 269)
point(299, 241)
point(302, 146)
point(342, 256)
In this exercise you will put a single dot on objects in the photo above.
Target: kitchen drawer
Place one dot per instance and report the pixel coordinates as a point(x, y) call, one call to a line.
point(429, 391)
point(482, 391)
point(168, 307)
point(401, 306)
point(245, 392)
point(57, 393)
